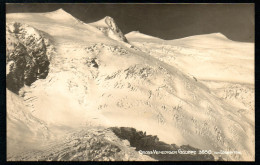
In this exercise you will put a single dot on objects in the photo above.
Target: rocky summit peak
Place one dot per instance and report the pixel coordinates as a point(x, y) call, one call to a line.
point(109, 27)
point(108, 18)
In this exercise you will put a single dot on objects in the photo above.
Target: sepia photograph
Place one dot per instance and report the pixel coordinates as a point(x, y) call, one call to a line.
point(130, 82)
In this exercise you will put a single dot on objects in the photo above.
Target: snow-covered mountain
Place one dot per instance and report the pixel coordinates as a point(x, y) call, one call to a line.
point(225, 66)
point(207, 57)
point(186, 91)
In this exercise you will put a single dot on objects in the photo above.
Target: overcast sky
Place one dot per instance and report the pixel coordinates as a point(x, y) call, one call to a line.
point(166, 21)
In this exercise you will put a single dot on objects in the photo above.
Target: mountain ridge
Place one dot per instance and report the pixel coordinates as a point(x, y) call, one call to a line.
point(138, 35)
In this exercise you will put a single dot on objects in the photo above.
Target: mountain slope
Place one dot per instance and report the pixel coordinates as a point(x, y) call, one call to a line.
point(225, 66)
point(207, 57)
point(24, 131)
point(97, 81)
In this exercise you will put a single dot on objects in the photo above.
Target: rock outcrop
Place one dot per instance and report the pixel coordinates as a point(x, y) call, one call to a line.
point(86, 145)
point(109, 27)
point(26, 55)
point(145, 142)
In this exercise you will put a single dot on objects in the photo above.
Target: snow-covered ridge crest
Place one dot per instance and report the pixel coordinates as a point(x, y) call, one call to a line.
point(60, 14)
point(137, 34)
point(107, 25)
point(216, 35)
point(133, 35)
